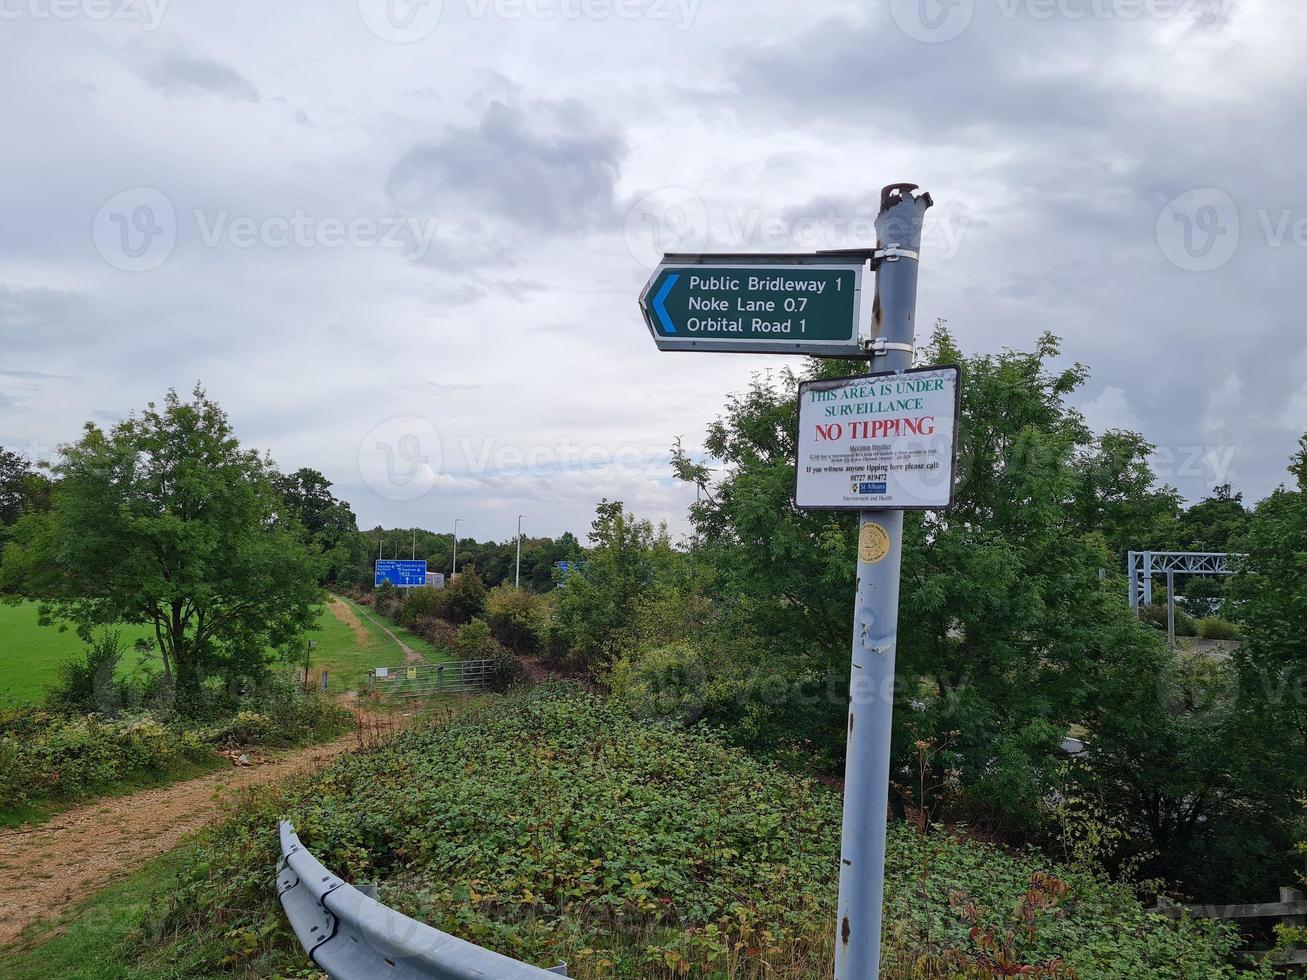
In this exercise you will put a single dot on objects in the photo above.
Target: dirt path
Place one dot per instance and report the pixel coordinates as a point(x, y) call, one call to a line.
point(346, 615)
point(46, 869)
point(411, 656)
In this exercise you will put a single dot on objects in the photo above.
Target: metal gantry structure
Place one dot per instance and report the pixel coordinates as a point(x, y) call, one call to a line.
point(1143, 565)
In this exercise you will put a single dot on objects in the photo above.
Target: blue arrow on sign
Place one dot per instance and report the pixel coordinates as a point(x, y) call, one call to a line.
point(661, 298)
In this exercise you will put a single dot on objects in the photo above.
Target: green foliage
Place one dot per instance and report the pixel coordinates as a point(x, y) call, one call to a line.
point(1215, 523)
point(63, 756)
point(950, 901)
point(463, 598)
point(281, 714)
point(164, 520)
point(439, 633)
point(328, 523)
point(596, 606)
point(47, 755)
point(1116, 494)
point(416, 604)
point(1213, 628)
point(556, 827)
point(476, 642)
point(1156, 616)
point(668, 683)
point(92, 684)
point(386, 596)
point(1184, 765)
point(1009, 637)
point(23, 490)
point(518, 618)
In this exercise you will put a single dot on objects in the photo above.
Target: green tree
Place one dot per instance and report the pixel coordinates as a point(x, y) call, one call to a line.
point(517, 617)
point(1007, 631)
point(328, 521)
point(1117, 495)
point(463, 598)
point(164, 520)
point(23, 490)
point(1215, 523)
point(596, 604)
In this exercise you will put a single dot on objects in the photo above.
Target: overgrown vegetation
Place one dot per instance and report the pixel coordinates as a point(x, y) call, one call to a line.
point(100, 731)
point(1014, 633)
point(555, 826)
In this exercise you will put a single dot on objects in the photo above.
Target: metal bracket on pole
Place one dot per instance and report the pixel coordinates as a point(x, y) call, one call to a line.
point(880, 346)
point(892, 253)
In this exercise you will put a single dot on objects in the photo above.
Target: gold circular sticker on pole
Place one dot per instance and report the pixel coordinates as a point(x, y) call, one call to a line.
point(873, 543)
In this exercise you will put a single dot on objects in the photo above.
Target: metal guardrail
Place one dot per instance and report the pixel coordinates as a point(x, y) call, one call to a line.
point(421, 680)
point(353, 937)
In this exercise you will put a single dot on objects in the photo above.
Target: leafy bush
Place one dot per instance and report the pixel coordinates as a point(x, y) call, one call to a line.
point(52, 755)
point(440, 633)
point(1155, 615)
point(1214, 628)
point(555, 826)
point(463, 598)
point(475, 641)
point(294, 716)
point(668, 683)
point(505, 671)
point(420, 604)
point(47, 755)
point(88, 684)
point(517, 618)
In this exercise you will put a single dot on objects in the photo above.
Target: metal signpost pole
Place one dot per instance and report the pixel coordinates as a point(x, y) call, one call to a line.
point(454, 571)
point(1170, 607)
point(875, 625)
point(517, 572)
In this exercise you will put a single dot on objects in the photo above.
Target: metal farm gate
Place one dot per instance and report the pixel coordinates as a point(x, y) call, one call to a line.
point(425, 680)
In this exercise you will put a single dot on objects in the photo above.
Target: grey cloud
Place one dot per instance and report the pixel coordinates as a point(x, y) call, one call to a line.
point(35, 318)
point(34, 376)
point(187, 76)
point(545, 167)
point(870, 70)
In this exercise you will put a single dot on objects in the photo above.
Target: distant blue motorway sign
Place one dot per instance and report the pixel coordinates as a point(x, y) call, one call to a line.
point(401, 573)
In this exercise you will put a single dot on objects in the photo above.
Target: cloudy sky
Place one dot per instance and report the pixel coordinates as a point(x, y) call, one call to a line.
point(402, 243)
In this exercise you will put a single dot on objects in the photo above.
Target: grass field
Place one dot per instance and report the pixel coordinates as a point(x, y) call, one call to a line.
point(30, 654)
point(350, 649)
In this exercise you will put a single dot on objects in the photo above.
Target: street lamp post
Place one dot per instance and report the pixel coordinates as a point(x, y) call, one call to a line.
point(517, 573)
point(454, 571)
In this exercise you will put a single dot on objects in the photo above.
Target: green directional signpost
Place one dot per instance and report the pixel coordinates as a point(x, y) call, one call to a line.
point(758, 304)
point(879, 444)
